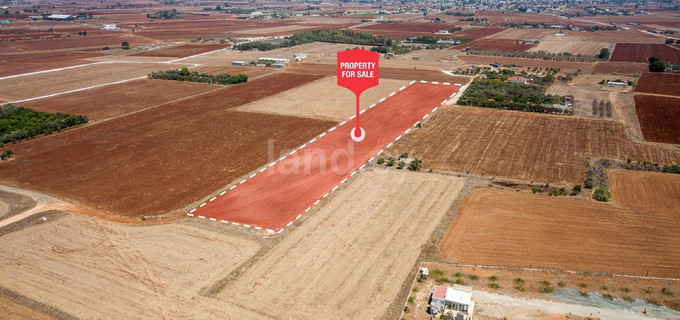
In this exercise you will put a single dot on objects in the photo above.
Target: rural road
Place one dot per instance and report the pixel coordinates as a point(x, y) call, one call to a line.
point(43, 203)
point(499, 306)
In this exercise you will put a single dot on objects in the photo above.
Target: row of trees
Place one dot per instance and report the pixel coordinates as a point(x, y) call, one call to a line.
point(334, 36)
point(602, 107)
point(18, 123)
point(165, 14)
point(511, 96)
point(192, 76)
point(563, 56)
point(657, 65)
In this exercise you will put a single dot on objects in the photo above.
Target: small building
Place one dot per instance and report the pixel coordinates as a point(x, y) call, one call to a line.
point(299, 57)
point(518, 79)
point(448, 41)
point(424, 273)
point(495, 65)
point(443, 32)
point(35, 17)
point(60, 17)
point(239, 63)
point(276, 60)
point(615, 84)
point(455, 301)
point(278, 65)
point(109, 27)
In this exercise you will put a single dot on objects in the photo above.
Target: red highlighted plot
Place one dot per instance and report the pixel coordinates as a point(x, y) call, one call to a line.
point(278, 195)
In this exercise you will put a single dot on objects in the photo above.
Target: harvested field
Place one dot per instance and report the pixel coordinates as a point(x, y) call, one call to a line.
point(301, 178)
point(182, 51)
point(119, 99)
point(76, 42)
point(31, 62)
point(522, 146)
point(574, 47)
point(13, 310)
point(497, 18)
point(478, 32)
point(638, 52)
point(221, 58)
point(251, 72)
point(620, 67)
point(593, 237)
point(91, 75)
point(659, 83)
point(522, 34)
point(403, 30)
point(659, 118)
point(645, 191)
point(220, 145)
point(571, 66)
point(336, 103)
point(387, 215)
point(70, 263)
point(494, 44)
point(385, 73)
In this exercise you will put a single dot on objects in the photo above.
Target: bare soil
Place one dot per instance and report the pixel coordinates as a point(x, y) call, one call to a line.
point(659, 117)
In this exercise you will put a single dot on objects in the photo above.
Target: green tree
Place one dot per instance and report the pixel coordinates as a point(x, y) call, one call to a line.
point(653, 59)
point(602, 194)
point(125, 45)
point(657, 66)
point(415, 165)
point(595, 107)
point(609, 108)
point(604, 54)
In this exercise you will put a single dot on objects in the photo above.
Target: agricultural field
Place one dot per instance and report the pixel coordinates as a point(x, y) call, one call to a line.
point(70, 262)
point(564, 65)
point(610, 67)
point(336, 104)
point(659, 117)
point(369, 249)
point(585, 88)
point(385, 73)
point(76, 43)
point(574, 47)
point(251, 72)
point(494, 44)
point(522, 34)
point(13, 64)
point(184, 50)
point(120, 99)
point(593, 237)
point(478, 32)
point(38, 85)
point(522, 146)
point(659, 83)
point(161, 142)
point(634, 52)
point(645, 191)
point(405, 30)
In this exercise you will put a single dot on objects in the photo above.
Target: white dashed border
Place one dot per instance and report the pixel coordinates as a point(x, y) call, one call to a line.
point(262, 169)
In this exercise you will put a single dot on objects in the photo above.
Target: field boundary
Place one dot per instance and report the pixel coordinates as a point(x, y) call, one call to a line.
point(263, 168)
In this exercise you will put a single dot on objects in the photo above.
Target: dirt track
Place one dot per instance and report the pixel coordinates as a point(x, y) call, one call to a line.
point(295, 183)
point(349, 258)
point(522, 145)
point(507, 228)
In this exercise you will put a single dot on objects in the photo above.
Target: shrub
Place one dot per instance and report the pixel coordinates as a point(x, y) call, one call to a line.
point(602, 194)
point(627, 298)
point(625, 289)
point(536, 189)
point(546, 290)
point(561, 284)
point(583, 285)
point(105, 48)
point(458, 274)
point(400, 165)
point(584, 293)
point(390, 162)
point(545, 283)
point(403, 155)
point(473, 277)
point(460, 281)
point(494, 285)
point(6, 154)
point(608, 296)
point(493, 278)
point(411, 300)
point(381, 160)
point(125, 45)
point(604, 288)
point(666, 292)
point(415, 165)
point(519, 280)
point(520, 288)
point(588, 183)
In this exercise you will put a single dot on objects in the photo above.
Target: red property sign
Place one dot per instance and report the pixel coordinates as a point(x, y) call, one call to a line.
point(358, 71)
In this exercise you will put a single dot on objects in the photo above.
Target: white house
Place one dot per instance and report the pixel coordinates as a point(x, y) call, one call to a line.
point(456, 300)
point(614, 84)
point(276, 60)
point(109, 27)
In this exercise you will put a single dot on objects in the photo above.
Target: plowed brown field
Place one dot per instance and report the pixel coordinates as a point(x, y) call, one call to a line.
point(162, 159)
point(620, 67)
point(76, 42)
point(659, 83)
point(495, 44)
point(640, 52)
point(119, 99)
point(388, 73)
point(521, 145)
point(659, 118)
point(507, 228)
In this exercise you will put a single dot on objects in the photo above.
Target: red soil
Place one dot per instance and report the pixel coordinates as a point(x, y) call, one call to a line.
point(640, 52)
point(495, 44)
point(75, 42)
point(620, 67)
point(478, 32)
point(659, 83)
point(274, 197)
point(659, 118)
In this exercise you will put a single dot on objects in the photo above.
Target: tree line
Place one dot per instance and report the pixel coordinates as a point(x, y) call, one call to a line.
point(192, 76)
point(602, 107)
point(18, 123)
point(512, 96)
point(333, 36)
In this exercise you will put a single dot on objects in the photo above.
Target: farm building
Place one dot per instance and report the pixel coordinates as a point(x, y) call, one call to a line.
point(60, 17)
point(455, 301)
point(278, 65)
point(276, 60)
point(614, 84)
point(518, 79)
point(239, 63)
point(109, 27)
point(299, 57)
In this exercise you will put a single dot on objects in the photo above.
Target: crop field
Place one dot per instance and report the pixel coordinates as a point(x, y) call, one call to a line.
point(645, 191)
point(182, 51)
point(119, 99)
point(404, 30)
point(495, 44)
point(565, 65)
point(539, 231)
point(574, 47)
point(522, 146)
point(91, 75)
point(299, 179)
point(522, 34)
point(659, 83)
point(496, 18)
point(11, 64)
point(70, 262)
point(620, 67)
point(478, 32)
point(638, 52)
point(337, 103)
point(659, 118)
point(221, 58)
point(385, 73)
point(369, 249)
point(76, 42)
point(197, 138)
